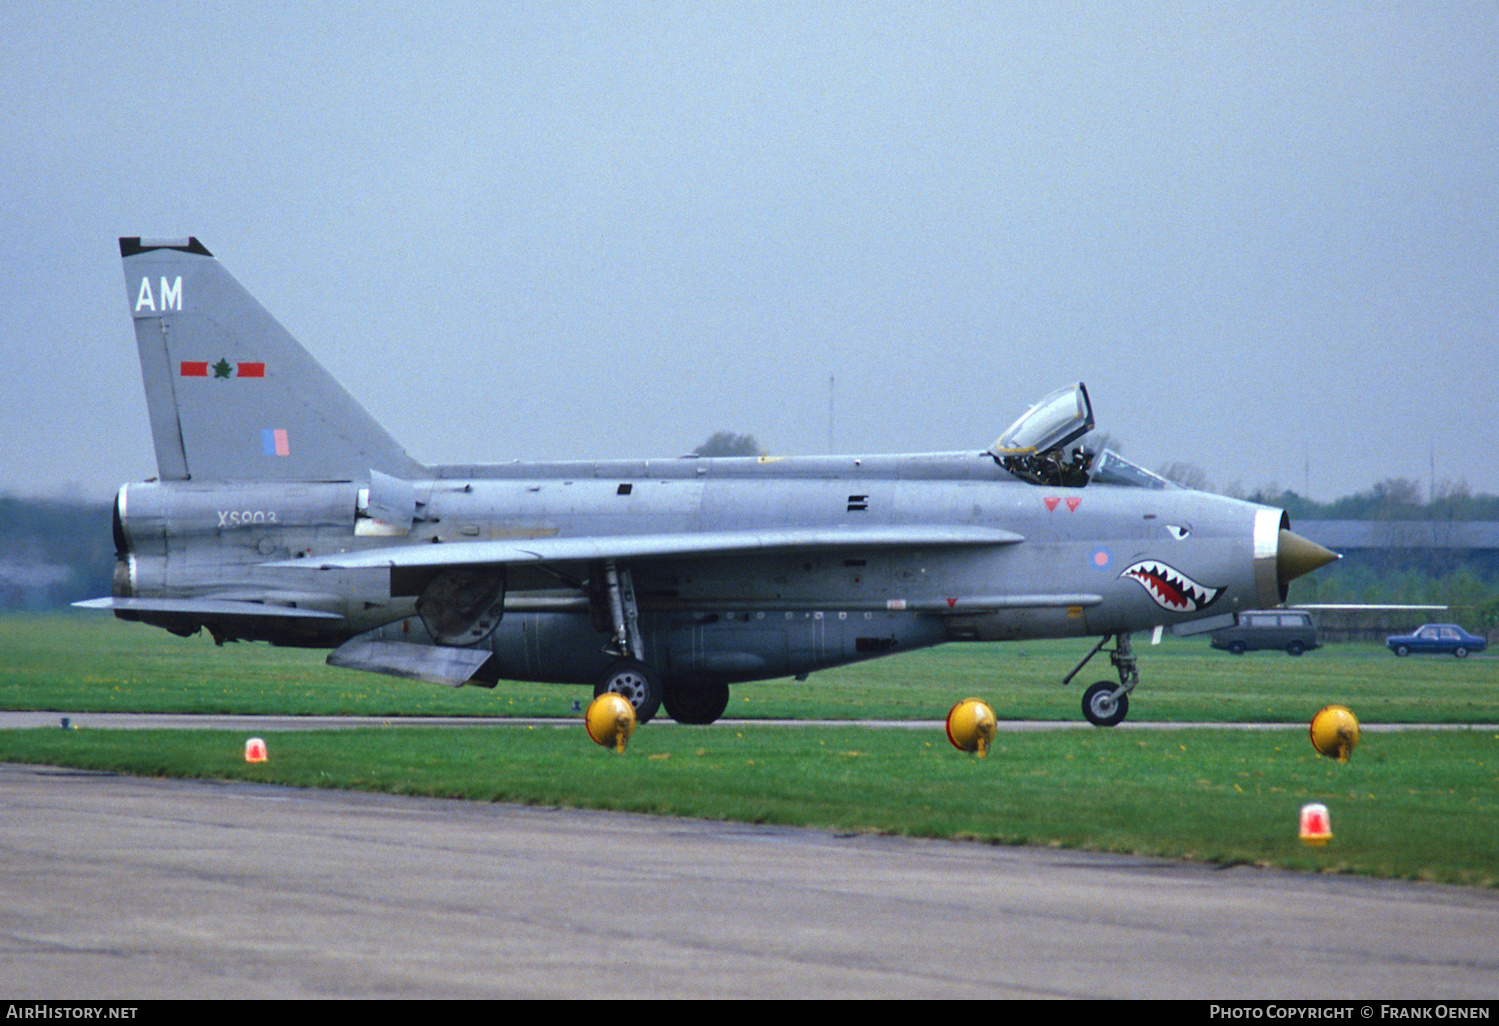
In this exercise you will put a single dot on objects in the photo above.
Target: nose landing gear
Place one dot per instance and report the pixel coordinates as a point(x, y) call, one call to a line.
point(1105, 704)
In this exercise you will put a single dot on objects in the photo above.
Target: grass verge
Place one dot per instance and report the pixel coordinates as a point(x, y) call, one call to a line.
point(1416, 805)
point(95, 663)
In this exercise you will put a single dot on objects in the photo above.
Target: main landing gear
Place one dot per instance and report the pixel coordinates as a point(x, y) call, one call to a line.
point(699, 704)
point(1105, 704)
point(686, 703)
point(628, 675)
point(635, 681)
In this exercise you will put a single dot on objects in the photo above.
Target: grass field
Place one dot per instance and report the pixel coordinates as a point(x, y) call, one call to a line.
point(93, 662)
point(1417, 804)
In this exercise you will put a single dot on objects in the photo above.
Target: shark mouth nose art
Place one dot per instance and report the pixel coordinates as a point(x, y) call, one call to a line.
point(1171, 588)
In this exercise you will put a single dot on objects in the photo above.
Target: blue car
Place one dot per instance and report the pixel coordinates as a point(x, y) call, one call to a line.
point(1437, 637)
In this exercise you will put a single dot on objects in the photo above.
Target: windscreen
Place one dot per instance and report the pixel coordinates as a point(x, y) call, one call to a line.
point(1111, 468)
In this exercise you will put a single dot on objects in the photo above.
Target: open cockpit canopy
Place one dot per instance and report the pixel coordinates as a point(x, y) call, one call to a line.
point(1034, 448)
point(1062, 417)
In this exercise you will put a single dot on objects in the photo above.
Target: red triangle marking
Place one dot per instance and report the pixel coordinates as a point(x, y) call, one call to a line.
point(1073, 504)
point(951, 602)
point(1051, 503)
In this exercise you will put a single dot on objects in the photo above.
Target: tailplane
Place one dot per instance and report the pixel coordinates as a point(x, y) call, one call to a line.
point(232, 396)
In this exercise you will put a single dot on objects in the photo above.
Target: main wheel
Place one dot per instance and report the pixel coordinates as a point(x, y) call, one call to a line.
point(636, 683)
point(1102, 707)
point(1238, 648)
point(696, 703)
point(1402, 650)
point(1460, 652)
point(1295, 648)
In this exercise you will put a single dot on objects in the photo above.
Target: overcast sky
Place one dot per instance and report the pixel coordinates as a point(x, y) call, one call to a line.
point(1266, 235)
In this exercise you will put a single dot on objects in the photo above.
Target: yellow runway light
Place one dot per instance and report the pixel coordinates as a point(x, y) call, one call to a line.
point(971, 725)
point(1335, 732)
point(610, 720)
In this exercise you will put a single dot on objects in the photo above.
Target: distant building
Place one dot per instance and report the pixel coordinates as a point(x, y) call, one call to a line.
point(1434, 546)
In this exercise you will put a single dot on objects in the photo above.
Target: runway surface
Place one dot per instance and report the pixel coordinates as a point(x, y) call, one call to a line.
point(127, 888)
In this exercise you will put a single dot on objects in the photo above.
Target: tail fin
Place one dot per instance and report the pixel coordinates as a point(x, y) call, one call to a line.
point(232, 396)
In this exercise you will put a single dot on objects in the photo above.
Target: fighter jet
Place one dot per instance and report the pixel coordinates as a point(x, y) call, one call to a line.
point(283, 512)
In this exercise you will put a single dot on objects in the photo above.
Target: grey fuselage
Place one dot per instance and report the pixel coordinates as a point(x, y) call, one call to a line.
point(1090, 561)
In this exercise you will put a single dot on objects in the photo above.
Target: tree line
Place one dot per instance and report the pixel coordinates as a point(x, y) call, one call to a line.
point(53, 552)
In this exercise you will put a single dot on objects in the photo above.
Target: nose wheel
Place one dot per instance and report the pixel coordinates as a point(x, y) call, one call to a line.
point(1105, 704)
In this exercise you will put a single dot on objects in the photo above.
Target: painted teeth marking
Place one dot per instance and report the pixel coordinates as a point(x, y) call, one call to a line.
point(1171, 589)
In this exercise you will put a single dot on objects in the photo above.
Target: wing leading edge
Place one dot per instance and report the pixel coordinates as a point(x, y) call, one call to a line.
point(638, 546)
point(207, 607)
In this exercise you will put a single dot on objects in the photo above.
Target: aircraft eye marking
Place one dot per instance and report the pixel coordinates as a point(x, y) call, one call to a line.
point(1170, 588)
point(1178, 532)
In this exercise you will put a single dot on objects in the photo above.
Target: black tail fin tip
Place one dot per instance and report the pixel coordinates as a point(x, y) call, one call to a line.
point(132, 245)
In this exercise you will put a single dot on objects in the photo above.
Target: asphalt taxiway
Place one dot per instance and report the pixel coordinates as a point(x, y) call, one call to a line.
point(128, 888)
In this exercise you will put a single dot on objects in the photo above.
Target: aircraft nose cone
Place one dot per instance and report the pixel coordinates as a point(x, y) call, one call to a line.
point(1295, 556)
